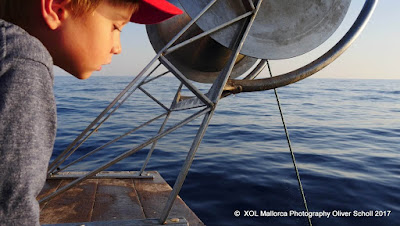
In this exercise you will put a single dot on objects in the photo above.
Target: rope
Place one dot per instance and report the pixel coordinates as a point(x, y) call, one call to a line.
point(290, 148)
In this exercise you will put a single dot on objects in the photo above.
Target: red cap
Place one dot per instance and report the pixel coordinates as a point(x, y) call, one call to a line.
point(154, 11)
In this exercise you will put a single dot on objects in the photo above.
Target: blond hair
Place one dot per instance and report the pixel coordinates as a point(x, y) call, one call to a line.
point(20, 11)
point(79, 7)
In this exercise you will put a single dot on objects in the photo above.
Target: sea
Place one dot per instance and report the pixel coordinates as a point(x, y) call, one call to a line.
point(344, 133)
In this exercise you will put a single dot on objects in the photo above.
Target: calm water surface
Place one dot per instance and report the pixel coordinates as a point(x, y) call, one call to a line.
point(345, 135)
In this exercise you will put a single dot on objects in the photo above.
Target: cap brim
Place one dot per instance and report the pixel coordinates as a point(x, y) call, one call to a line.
point(154, 11)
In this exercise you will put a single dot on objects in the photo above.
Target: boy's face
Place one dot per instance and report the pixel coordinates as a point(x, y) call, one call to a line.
point(90, 41)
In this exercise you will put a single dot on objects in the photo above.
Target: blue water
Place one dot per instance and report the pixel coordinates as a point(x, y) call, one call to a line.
point(345, 135)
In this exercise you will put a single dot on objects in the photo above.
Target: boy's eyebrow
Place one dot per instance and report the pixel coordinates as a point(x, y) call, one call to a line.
point(123, 17)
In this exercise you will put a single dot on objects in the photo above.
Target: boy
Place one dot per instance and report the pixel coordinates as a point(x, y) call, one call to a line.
point(77, 35)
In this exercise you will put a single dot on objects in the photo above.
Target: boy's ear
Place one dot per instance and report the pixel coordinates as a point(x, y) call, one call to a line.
point(54, 12)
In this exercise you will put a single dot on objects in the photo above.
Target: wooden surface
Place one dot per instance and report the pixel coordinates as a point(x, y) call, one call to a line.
point(100, 199)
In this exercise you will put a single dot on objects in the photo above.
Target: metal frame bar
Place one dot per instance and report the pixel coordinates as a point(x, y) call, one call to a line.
point(186, 81)
point(153, 146)
point(257, 70)
point(111, 142)
point(149, 154)
point(186, 166)
point(152, 79)
point(205, 33)
point(153, 98)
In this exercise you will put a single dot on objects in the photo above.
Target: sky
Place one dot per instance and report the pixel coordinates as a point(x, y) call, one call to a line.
point(374, 55)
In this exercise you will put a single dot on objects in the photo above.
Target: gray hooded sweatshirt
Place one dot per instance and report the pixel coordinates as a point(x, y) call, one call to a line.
point(27, 123)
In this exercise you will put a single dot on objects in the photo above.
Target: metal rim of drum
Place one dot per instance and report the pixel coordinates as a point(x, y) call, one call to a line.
point(282, 29)
point(313, 67)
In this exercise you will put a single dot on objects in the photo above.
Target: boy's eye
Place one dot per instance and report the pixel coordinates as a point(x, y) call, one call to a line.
point(117, 28)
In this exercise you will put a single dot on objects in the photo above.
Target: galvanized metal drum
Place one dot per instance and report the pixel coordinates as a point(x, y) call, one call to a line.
point(282, 28)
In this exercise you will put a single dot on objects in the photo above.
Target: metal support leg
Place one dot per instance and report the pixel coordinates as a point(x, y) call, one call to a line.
point(215, 93)
point(153, 146)
point(186, 166)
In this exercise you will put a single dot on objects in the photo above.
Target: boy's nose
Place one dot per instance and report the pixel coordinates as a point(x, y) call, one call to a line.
point(116, 48)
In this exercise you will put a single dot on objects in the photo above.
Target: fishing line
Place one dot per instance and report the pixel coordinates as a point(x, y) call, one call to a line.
point(290, 147)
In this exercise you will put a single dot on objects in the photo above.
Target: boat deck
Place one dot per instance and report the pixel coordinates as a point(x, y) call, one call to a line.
point(113, 200)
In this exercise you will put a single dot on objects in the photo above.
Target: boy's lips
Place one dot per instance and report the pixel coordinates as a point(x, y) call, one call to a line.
point(99, 68)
